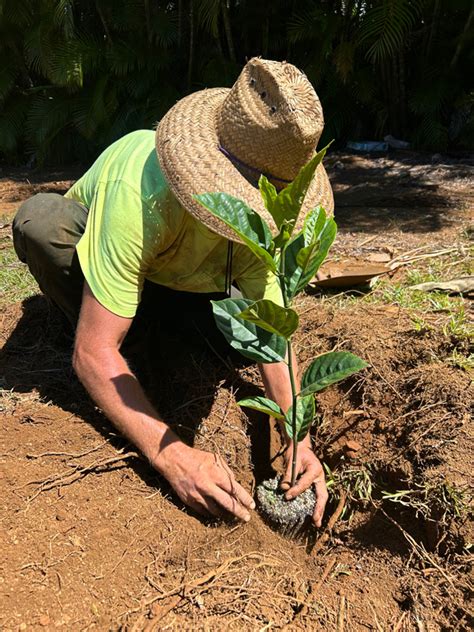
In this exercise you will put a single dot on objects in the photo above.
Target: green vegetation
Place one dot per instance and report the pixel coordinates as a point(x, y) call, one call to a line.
point(16, 282)
point(262, 330)
point(357, 482)
point(441, 501)
point(78, 74)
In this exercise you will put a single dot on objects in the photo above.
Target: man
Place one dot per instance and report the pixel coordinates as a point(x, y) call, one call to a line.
point(133, 217)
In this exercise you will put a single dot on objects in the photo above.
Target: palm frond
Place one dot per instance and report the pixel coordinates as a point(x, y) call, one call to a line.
point(386, 27)
point(344, 54)
point(63, 17)
point(12, 118)
point(301, 26)
point(123, 59)
point(208, 12)
point(48, 115)
point(165, 27)
point(7, 81)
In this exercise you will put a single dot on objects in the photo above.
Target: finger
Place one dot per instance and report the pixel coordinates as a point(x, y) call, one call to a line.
point(302, 483)
point(242, 495)
point(228, 484)
point(212, 507)
point(231, 504)
point(198, 507)
point(285, 485)
point(321, 500)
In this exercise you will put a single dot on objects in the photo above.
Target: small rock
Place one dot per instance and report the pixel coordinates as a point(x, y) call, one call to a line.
point(351, 454)
point(61, 515)
point(353, 446)
point(352, 449)
point(22, 626)
point(44, 620)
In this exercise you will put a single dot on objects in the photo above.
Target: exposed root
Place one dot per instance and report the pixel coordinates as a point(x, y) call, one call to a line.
point(207, 581)
point(324, 537)
point(78, 472)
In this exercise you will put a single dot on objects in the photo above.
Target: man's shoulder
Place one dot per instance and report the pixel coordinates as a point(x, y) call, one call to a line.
point(130, 161)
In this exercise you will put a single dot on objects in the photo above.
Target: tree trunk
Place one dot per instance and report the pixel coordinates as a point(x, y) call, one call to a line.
point(191, 44)
point(402, 93)
point(147, 21)
point(265, 34)
point(433, 29)
point(180, 23)
point(104, 23)
point(227, 29)
point(464, 33)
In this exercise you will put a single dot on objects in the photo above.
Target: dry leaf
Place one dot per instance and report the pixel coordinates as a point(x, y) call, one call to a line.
point(348, 274)
point(463, 285)
point(379, 257)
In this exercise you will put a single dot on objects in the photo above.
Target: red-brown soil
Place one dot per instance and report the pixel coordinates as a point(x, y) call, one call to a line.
point(93, 539)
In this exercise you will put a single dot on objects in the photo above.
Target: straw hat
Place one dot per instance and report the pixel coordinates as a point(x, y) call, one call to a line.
point(222, 139)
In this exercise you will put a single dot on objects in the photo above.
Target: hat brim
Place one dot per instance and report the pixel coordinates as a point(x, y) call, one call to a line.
point(192, 163)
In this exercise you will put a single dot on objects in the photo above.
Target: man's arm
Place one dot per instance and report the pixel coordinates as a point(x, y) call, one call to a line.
point(201, 479)
point(276, 380)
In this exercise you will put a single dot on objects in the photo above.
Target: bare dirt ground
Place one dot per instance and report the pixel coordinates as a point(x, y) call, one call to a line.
point(93, 539)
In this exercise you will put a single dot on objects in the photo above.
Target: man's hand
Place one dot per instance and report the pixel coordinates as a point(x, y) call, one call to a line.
point(204, 482)
point(310, 471)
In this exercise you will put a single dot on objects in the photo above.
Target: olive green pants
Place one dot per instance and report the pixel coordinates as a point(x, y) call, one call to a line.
point(46, 230)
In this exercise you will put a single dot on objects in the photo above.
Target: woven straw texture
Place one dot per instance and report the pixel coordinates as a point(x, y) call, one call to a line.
point(270, 121)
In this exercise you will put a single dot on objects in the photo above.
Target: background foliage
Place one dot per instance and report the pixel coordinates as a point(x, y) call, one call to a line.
point(77, 74)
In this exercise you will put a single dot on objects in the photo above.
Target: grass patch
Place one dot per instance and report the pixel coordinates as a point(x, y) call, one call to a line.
point(16, 281)
point(461, 360)
point(441, 502)
point(454, 322)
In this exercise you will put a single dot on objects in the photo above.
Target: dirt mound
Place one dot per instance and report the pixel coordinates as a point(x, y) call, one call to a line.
point(94, 538)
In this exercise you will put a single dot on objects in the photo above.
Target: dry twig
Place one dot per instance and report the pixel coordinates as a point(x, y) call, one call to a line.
point(324, 537)
point(304, 610)
point(68, 477)
point(207, 580)
point(418, 549)
point(341, 614)
point(73, 455)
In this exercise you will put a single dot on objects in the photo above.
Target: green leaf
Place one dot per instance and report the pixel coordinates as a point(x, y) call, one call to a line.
point(314, 223)
point(307, 251)
point(305, 411)
point(268, 192)
point(250, 340)
point(271, 317)
point(330, 368)
point(246, 223)
point(263, 405)
point(287, 205)
point(284, 235)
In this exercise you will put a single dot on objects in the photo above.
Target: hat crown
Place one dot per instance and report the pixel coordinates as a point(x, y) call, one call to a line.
point(271, 119)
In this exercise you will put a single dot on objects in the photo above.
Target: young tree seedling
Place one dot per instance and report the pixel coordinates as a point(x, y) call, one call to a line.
point(262, 330)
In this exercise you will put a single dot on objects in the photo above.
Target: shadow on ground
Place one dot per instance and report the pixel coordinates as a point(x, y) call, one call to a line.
point(182, 362)
point(373, 196)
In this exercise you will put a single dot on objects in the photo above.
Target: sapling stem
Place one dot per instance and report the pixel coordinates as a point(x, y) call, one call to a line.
point(289, 348)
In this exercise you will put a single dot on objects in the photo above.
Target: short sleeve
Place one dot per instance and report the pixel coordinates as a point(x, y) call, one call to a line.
point(121, 237)
point(257, 282)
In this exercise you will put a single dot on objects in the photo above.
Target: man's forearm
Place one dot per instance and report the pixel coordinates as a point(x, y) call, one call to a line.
point(118, 393)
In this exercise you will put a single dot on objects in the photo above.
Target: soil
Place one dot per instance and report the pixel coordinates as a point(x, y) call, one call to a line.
point(94, 539)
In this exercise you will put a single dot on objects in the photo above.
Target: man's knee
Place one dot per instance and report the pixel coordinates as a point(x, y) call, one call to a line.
point(34, 222)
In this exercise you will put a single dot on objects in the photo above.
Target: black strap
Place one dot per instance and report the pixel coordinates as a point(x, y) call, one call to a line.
point(228, 270)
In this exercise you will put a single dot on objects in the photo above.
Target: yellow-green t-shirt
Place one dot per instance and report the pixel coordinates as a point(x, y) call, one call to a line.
point(137, 230)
